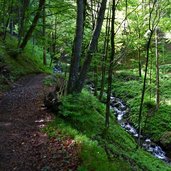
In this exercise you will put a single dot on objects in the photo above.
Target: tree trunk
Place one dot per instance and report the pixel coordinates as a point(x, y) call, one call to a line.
point(8, 20)
point(110, 72)
point(139, 54)
point(151, 72)
point(139, 62)
point(92, 14)
point(95, 80)
point(77, 47)
point(157, 72)
point(11, 26)
point(91, 49)
point(3, 13)
point(144, 88)
point(32, 27)
point(152, 25)
point(22, 11)
point(44, 34)
point(105, 55)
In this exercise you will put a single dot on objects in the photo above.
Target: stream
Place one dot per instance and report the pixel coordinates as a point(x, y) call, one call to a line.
point(121, 110)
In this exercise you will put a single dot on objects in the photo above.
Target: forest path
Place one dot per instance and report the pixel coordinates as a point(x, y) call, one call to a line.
point(23, 147)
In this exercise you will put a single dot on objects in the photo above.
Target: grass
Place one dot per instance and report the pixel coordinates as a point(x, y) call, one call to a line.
point(82, 118)
point(154, 123)
point(159, 123)
point(28, 62)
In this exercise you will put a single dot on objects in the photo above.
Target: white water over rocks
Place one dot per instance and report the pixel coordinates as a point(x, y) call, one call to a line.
point(120, 109)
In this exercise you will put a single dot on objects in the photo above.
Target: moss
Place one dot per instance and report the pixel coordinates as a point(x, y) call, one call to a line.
point(101, 148)
point(166, 138)
point(27, 62)
point(159, 123)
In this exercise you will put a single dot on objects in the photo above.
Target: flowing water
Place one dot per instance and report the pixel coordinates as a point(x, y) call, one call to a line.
point(121, 110)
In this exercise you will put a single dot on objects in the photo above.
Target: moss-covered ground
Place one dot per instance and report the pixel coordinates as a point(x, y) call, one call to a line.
point(13, 67)
point(82, 117)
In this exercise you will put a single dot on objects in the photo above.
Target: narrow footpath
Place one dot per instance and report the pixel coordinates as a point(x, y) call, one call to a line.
point(23, 146)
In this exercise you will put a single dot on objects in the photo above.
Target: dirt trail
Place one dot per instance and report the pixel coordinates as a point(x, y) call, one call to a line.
point(23, 147)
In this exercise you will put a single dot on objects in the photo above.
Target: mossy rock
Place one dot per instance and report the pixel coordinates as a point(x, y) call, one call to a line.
point(166, 140)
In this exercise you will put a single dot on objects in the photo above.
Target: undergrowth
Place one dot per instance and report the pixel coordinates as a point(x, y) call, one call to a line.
point(154, 123)
point(19, 64)
point(82, 117)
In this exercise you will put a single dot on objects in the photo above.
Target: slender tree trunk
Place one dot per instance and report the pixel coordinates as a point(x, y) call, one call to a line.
point(95, 80)
point(8, 20)
point(52, 48)
point(139, 54)
point(33, 25)
point(139, 62)
point(144, 88)
point(151, 71)
point(157, 72)
point(44, 34)
point(105, 55)
point(152, 25)
point(3, 13)
point(11, 26)
point(110, 72)
point(77, 47)
point(22, 13)
point(92, 14)
point(91, 49)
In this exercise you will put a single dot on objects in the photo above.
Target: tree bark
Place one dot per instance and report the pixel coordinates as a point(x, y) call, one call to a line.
point(77, 47)
point(44, 34)
point(105, 55)
point(32, 27)
point(150, 77)
point(3, 13)
point(110, 72)
point(91, 49)
point(139, 54)
point(8, 19)
point(152, 25)
point(139, 62)
point(22, 10)
point(144, 88)
point(95, 80)
point(157, 72)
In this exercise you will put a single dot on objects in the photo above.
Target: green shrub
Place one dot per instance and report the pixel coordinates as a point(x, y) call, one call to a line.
point(81, 107)
point(83, 118)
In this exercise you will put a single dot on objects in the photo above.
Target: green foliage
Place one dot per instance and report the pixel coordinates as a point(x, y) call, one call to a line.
point(165, 68)
point(78, 106)
point(126, 86)
point(97, 143)
point(154, 123)
point(159, 123)
point(82, 108)
point(166, 138)
point(93, 156)
point(28, 62)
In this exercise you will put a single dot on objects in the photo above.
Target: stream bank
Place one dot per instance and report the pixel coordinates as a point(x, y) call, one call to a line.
point(121, 110)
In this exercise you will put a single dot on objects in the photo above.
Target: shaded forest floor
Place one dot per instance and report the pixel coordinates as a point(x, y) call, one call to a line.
point(23, 146)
